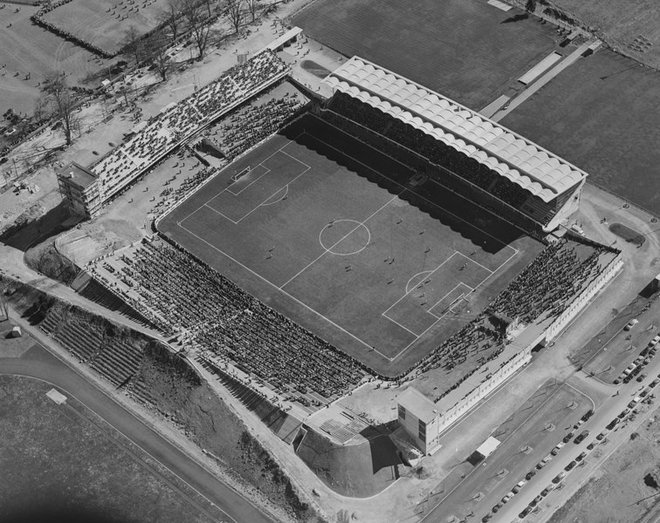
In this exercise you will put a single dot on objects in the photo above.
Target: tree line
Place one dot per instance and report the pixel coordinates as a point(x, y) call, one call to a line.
point(179, 18)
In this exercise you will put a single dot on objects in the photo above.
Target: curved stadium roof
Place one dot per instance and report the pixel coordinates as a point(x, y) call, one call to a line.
point(523, 162)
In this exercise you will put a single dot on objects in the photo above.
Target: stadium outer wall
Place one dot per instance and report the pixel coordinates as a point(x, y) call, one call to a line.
point(449, 417)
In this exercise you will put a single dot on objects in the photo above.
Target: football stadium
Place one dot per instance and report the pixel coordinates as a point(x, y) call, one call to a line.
point(383, 232)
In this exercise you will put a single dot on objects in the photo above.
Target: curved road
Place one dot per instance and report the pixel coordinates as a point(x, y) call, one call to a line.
point(39, 363)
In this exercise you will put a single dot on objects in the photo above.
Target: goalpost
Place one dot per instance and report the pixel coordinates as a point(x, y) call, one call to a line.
point(241, 174)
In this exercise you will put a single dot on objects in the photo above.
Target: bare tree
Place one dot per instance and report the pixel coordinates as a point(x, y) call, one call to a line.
point(253, 6)
point(208, 4)
point(171, 16)
point(58, 96)
point(234, 13)
point(156, 49)
point(133, 44)
point(197, 23)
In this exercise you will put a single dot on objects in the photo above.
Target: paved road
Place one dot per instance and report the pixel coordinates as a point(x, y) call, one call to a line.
point(40, 364)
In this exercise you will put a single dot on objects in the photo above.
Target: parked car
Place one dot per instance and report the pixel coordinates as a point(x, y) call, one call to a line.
point(559, 477)
point(524, 513)
point(631, 324)
point(530, 475)
point(568, 437)
point(641, 377)
point(557, 448)
point(570, 465)
point(581, 436)
point(581, 456)
point(587, 415)
point(601, 436)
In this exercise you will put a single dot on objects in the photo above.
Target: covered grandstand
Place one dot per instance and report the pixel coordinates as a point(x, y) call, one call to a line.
point(175, 124)
point(532, 186)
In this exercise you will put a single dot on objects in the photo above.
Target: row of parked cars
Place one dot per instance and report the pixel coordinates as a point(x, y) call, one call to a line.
point(600, 438)
point(635, 368)
point(644, 395)
point(556, 449)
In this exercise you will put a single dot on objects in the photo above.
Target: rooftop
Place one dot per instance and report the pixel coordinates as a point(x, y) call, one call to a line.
point(77, 175)
point(523, 162)
point(418, 405)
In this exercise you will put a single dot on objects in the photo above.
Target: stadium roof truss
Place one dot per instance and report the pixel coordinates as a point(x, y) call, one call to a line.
point(536, 170)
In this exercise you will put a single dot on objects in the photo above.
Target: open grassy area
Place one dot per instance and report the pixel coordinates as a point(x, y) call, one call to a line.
point(379, 269)
point(633, 27)
point(168, 386)
point(27, 49)
point(601, 114)
point(104, 23)
point(464, 49)
point(57, 465)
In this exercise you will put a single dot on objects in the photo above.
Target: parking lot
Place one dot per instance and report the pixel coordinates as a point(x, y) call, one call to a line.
point(527, 438)
point(629, 340)
point(608, 428)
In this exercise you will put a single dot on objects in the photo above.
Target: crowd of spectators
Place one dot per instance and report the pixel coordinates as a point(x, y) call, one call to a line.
point(123, 10)
point(477, 339)
point(39, 18)
point(548, 284)
point(254, 123)
point(218, 316)
point(544, 289)
point(178, 121)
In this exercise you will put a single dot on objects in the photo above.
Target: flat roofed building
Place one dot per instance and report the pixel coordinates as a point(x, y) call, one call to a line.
point(551, 185)
point(488, 447)
point(419, 417)
point(79, 189)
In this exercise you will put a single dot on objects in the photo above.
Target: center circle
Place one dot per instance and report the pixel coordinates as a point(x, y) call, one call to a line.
point(344, 237)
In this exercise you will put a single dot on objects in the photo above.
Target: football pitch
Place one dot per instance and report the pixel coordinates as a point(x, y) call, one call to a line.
point(329, 232)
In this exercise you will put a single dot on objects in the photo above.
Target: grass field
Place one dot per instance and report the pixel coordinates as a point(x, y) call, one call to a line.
point(57, 465)
point(105, 23)
point(26, 48)
point(460, 48)
point(328, 232)
point(633, 27)
point(601, 114)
